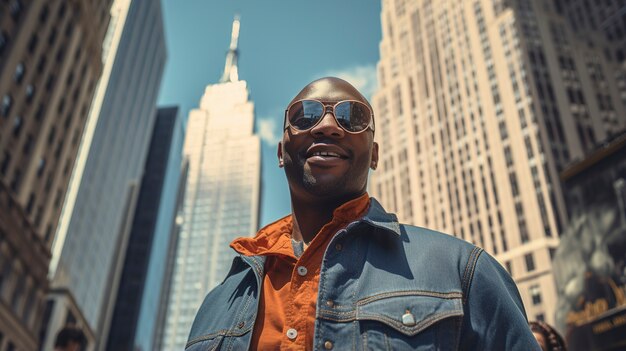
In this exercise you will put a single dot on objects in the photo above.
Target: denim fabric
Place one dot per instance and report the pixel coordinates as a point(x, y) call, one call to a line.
point(392, 287)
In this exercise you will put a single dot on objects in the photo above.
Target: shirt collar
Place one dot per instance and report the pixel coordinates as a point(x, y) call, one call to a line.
point(275, 238)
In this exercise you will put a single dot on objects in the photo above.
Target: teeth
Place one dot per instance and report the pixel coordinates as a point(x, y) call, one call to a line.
point(326, 154)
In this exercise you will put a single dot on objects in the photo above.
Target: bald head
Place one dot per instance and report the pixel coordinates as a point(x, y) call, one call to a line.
point(330, 89)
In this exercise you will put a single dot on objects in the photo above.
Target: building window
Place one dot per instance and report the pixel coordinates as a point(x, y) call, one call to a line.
point(32, 43)
point(19, 73)
point(28, 144)
point(540, 317)
point(61, 10)
point(31, 203)
point(16, 9)
point(5, 163)
point(50, 82)
point(514, 186)
point(17, 125)
point(30, 92)
point(41, 64)
point(29, 304)
point(7, 102)
point(43, 15)
point(52, 37)
point(18, 292)
point(17, 177)
point(535, 294)
point(5, 270)
point(530, 262)
point(40, 112)
point(508, 156)
point(4, 39)
point(41, 166)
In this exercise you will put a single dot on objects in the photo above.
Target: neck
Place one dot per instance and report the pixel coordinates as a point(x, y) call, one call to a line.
point(309, 216)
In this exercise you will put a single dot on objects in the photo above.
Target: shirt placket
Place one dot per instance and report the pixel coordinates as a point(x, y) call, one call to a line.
point(295, 331)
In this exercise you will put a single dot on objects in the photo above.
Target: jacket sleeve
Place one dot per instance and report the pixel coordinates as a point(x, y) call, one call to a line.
point(494, 318)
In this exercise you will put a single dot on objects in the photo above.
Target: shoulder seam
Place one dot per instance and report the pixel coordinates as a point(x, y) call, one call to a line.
point(468, 275)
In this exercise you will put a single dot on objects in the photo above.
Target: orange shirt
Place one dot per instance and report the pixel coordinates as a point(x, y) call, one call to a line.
point(286, 315)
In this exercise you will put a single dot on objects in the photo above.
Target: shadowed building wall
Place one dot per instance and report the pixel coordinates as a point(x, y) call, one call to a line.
point(93, 232)
point(50, 61)
point(138, 297)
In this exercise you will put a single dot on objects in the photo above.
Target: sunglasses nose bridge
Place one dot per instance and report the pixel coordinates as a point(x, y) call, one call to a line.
point(328, 123)
point(329, 109)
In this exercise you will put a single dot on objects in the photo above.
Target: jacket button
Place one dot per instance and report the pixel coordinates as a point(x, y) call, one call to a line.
point(328, 345)
point(330, 303)
point(408, 319)
point(292, 333)
point(338, 247)
point(240, 325)
point(302, 271)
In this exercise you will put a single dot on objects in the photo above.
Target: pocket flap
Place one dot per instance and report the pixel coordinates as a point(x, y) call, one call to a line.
point(410, 312)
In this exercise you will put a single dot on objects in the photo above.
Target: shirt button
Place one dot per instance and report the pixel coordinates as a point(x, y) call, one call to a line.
point(328, 345)
point(302, 271)
point(338, 247)
point(292, 333)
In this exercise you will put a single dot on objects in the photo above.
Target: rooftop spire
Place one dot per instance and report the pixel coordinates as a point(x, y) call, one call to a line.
point(231, 73)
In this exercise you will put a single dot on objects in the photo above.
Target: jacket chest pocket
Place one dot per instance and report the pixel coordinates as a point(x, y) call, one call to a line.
point(413, 320)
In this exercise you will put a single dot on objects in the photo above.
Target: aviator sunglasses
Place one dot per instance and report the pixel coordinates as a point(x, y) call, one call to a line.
point(351, 115)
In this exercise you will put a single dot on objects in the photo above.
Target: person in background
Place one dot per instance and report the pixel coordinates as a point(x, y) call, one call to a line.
point(547, 337)
point(70, 338)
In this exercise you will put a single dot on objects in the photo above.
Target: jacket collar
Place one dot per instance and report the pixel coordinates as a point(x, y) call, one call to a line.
point(379, 218)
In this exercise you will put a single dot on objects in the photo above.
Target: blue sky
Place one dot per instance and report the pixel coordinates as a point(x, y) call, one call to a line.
point(283, 45)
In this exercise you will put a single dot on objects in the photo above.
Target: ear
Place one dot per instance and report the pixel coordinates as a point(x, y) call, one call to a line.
point(374, 162)
point(279, 153)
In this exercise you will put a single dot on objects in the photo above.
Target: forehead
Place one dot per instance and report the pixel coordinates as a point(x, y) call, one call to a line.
point(329, 90)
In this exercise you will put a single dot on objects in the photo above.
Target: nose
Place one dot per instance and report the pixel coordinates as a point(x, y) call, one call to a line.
point(328, 127)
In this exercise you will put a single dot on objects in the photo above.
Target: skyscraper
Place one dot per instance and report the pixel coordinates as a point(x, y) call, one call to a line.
point(50, 61)
point(480, 104)
point(137, 301)
point(222, 195)
point(98, 209)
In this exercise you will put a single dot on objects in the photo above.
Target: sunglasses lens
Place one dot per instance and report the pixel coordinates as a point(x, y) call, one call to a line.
point(353, 116)
point(304, 114)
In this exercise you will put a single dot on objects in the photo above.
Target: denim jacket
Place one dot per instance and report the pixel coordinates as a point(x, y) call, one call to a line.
point(392, 287)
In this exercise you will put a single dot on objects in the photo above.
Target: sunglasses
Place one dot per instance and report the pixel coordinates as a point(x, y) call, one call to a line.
point(352, 116)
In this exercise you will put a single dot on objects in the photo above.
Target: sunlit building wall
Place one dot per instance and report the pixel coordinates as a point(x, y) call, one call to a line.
point(98, 210)
point(221, 199)
point(480, 104)
point(50, 61)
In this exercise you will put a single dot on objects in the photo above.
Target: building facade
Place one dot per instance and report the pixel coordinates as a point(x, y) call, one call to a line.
point(50, 61)
point(480, 104)
point(221, 198)
point(97, 213)
point(138, 297)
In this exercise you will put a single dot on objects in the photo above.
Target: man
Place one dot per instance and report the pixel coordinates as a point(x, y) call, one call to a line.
point(70, 339)
point(341, 273)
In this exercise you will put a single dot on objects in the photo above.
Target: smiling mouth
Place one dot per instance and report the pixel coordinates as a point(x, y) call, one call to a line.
point(327, 154)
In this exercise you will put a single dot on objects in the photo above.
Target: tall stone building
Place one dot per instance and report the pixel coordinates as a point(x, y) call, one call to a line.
point(93, 231)
point(221, 198)
point(50, 61)
point(480, 104)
